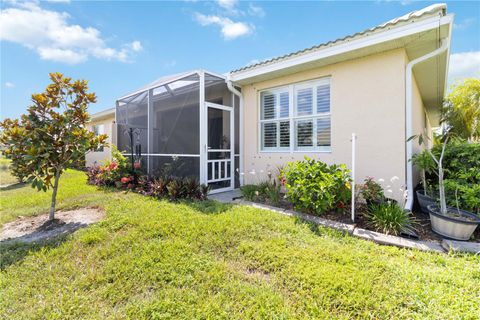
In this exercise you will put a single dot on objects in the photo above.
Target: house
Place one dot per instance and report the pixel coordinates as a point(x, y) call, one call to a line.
point(102, 122)
point(384, 84)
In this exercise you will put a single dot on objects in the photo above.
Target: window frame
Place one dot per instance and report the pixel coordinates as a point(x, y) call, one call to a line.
point(277, 120)
point(293, 117)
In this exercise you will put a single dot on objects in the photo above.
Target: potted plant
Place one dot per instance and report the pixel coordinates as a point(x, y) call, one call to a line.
point(425, 163)
point(447, 221)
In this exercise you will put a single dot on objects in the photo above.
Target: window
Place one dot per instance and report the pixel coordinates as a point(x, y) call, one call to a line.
point(297, 117)
point(275, 123)
point(98, 130)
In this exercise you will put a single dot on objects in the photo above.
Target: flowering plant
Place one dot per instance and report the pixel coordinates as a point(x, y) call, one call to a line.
point(371, 191)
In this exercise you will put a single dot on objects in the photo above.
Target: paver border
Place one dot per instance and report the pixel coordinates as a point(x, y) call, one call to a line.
point(377, 237)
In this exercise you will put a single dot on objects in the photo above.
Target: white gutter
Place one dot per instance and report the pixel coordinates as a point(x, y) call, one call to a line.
point(241, 131)
point(408, 114)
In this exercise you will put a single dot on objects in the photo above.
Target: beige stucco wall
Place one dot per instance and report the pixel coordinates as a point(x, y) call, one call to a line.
point(419, 123)
point(367, 97)
point(97, 157)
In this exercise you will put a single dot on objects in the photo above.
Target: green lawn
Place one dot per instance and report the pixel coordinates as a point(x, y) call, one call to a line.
point(158, 260)
point(5, 177)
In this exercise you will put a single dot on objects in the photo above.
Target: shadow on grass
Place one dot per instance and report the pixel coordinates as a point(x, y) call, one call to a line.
point(13, 186)
point(315, 228)
point(320, 230)
point(208, 206)
point(49, 235)
point(13, 251)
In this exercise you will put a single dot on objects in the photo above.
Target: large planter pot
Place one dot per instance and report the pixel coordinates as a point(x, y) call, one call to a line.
point(424, 201)
point(457, 224)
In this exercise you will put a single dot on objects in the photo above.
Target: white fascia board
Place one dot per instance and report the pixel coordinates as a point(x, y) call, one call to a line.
point(102, 114)
point(365, 41)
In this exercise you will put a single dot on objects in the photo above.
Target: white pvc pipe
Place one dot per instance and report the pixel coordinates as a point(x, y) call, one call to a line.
point(354, 138)
point(408, 114)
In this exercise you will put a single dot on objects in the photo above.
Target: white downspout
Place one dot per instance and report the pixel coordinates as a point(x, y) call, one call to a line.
point(240, 97)
point(408, 114)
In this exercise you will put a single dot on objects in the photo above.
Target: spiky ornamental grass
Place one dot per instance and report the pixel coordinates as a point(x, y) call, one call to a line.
point(389, 218)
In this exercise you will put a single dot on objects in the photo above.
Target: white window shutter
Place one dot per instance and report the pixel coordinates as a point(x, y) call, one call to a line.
point(269, 135)
point(304, 101)
point(323, 98)
point(268, 106)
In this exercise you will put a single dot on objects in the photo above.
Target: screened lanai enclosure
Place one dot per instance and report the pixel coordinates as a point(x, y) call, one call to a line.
point(185, 125)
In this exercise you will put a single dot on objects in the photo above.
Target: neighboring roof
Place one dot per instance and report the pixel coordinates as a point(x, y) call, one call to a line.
point(104, 114)
point(428, 11)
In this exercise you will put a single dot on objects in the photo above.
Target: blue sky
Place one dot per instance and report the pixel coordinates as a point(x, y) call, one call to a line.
point(120, 46)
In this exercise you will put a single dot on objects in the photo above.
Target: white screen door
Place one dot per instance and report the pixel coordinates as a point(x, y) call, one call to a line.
point(220, 174)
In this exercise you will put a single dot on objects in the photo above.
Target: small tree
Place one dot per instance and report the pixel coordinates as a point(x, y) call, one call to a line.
point(461, 110)
point(426, 164)
point(422, 138)
point(52, 136)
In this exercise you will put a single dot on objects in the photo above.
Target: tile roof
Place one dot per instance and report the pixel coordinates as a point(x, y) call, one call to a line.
point(428, 11)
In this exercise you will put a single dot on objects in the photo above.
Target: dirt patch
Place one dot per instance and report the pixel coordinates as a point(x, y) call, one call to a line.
point(38, 228)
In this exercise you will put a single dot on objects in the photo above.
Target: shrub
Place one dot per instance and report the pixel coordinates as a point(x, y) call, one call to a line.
point(93, 174)
point(371, 191)
point(158, 187)
point(250, 192)
point(144, 185)
point(316, 187)
point(175, 189)
point(267, 191)
point(272, 193)
point(191, 188)
point(388, 218)
point(117, 171)
point(461, 175)
point(204, 189)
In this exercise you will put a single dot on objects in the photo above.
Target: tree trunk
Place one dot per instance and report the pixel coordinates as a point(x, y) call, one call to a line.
point(424, 182)
point(441, 186)
point(441, 189)
point(54, 195)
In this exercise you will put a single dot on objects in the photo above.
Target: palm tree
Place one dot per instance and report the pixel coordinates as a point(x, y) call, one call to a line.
point(461, 110)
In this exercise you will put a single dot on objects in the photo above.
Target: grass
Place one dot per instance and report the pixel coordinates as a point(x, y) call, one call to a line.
point(5, 177)
point(155, 260)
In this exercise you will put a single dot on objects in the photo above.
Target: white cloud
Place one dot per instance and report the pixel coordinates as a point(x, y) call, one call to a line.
point(257, 11)
point(61, 55)
point(402, 2)
point(9, 84)
point(227, 4)
point(464, 24)
point(136, 46)
point(464, 65)
point(53, 38)
point(230, 29)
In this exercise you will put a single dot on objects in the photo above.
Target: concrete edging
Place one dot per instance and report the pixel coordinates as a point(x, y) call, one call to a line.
point(376, 237)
